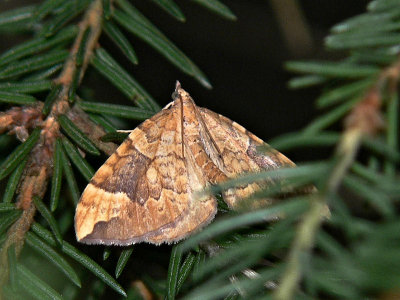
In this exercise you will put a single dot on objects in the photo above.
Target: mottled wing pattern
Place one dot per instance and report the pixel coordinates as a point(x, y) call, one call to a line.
point(239, 155)
point(234, 138)
point(143, 192)
point(200, 210)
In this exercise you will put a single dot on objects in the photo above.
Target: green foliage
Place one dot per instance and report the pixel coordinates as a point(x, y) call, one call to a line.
point(8, 218)
point(133, 21)
point(173, 271)
point(37, 62)
point(13, 182)
point(33, 285)
point(69, 176)
point(46, 214)
point(26, 86)
point(119, 39)
point(38, 44)
point(77, 135)
point(107, 66)
point(78, 256)
point(122, 261)
point(121, 111)
point(280, 251)
point(73, 153)
point(56, 179)
point(19, 154)
point(16, 98)
point(217, 7)
point(50, 254)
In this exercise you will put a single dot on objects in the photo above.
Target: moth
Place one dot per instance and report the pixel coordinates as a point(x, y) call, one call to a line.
point(146, 190)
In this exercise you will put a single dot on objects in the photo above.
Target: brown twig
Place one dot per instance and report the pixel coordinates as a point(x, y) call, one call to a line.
point(94, 132)
point(18, 120)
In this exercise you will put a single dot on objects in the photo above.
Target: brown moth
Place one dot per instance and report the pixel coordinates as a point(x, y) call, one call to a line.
point(145, 191)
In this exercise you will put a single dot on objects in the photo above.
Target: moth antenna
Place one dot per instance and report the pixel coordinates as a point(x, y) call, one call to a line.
point(177, 85)
point(175, 94)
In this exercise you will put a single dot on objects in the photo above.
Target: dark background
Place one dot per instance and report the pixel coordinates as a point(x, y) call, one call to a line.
point(243, 60)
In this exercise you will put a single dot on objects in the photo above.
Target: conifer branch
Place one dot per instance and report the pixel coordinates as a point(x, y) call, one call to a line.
point(39, 167)
point(364, 120)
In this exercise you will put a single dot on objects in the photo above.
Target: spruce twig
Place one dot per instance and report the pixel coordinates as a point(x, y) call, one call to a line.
point(364, 120)
point(39, 166)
